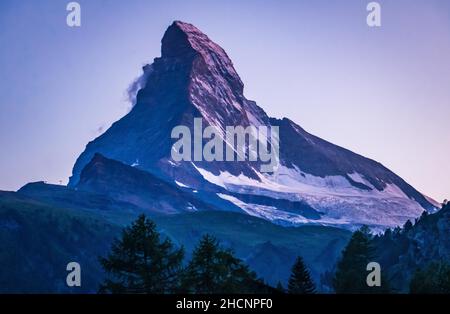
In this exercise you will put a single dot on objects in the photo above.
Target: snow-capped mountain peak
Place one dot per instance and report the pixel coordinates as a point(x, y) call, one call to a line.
point(195, 78)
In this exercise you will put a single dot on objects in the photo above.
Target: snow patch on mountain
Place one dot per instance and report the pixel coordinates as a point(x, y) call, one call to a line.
point(181, 184)
point(357, 177)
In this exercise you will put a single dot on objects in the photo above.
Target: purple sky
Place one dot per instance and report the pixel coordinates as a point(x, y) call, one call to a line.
point(383, 93)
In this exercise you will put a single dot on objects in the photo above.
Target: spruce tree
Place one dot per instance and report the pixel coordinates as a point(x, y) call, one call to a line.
point(407, 226)
point(142, 262)
point(351, 273)
point(300, 281)
point(213, 269)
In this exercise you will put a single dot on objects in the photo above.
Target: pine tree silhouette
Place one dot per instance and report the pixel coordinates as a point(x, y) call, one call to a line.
point(141, 262)
point(215, 270)
point(300, 281)
point(351, 273)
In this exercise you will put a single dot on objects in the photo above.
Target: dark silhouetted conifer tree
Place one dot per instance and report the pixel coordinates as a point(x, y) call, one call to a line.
point(300, 281)
point(351, 273)
point(142, 262)
point(216, 270)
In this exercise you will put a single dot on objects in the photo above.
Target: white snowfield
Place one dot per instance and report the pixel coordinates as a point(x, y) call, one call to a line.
point(340, 203)
point(182, 185)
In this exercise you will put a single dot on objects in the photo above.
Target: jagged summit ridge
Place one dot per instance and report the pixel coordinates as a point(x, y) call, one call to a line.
point(213, 86)
point(183, 39)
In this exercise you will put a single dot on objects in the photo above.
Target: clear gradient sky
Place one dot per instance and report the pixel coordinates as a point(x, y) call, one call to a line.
point(383, 93)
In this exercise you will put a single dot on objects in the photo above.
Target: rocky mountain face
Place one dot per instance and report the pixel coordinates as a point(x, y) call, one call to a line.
point(139, 188)
point(194, 78)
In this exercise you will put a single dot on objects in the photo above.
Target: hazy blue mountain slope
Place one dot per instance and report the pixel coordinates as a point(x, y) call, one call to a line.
point(248, 235)
point(38, 240)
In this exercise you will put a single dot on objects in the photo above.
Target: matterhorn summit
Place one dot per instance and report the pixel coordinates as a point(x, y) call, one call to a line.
point(315, 181)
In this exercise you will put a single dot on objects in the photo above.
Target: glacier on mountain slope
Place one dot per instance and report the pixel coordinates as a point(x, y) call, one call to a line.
point(334, 196)
point(275, 215)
